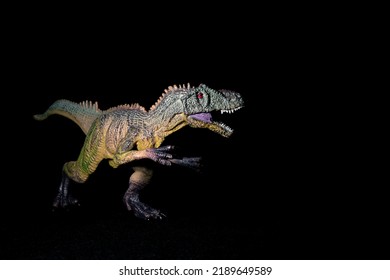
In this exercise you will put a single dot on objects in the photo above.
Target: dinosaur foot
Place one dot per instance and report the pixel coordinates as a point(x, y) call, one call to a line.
point(142, 210)
point(64, 199)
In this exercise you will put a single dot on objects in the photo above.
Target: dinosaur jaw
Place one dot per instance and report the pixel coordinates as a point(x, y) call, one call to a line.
point(205, 120)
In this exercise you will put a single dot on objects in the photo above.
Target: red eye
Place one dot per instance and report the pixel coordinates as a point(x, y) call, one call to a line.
point(199, 95)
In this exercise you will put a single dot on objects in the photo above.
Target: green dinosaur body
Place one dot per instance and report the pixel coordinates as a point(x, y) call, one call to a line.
point(128, 133)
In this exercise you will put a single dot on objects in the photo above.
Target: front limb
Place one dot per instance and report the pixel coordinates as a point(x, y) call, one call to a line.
point(159, 155)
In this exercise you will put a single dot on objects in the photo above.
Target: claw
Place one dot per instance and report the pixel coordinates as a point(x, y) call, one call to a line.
point(160, 155)
point(193, 163)
point(163, 155)
point(165, 148)
point(141, 210)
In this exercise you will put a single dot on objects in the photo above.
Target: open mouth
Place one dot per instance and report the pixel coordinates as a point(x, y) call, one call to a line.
point(206, 120)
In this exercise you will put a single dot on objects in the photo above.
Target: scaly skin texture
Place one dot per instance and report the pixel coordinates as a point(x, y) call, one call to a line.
point(128, 133)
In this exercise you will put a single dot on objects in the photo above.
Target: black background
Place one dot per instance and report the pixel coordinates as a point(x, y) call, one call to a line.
point(289, 183)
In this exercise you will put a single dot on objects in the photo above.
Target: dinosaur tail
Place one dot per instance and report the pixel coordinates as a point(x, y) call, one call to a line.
point(83, 114)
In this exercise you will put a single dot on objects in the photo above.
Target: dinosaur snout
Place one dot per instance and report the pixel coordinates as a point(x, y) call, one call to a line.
point(232, 97)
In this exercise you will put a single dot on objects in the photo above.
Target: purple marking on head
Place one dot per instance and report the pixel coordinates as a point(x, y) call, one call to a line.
point(205, 117)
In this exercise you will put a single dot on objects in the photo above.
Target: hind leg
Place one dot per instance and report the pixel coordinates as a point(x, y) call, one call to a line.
point(70, 172)
point(79, 171)
point(138, 180)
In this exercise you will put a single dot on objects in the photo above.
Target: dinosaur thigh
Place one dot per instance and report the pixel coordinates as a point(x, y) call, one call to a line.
point(141, 175)
point(92, 153)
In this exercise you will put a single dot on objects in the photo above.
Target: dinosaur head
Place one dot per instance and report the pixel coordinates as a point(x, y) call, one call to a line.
point(201, 102)
point(195, 105)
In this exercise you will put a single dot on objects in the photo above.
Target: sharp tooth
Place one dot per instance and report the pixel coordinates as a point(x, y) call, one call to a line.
point(225, 127)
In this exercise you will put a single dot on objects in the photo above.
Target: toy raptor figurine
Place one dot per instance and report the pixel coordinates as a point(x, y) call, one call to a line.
point(128, 133)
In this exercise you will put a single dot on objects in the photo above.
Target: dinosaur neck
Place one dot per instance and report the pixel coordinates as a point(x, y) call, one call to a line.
point(166, 117)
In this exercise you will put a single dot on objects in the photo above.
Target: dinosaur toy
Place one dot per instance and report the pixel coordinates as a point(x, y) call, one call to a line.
point(128, 133)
